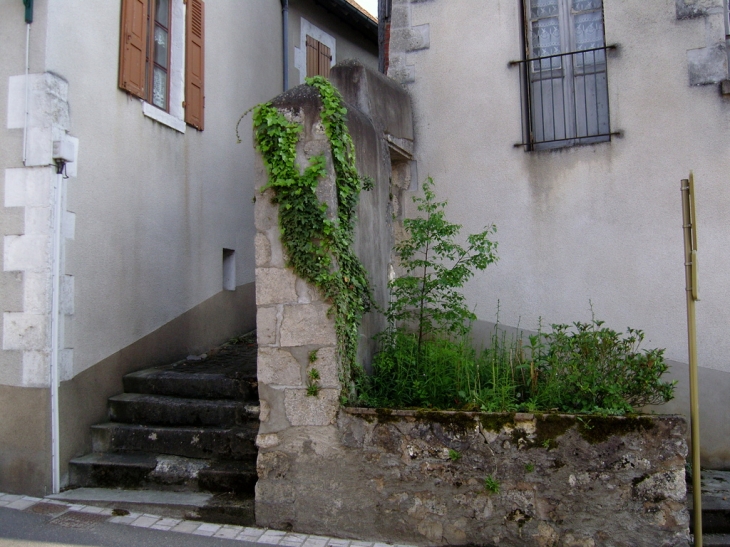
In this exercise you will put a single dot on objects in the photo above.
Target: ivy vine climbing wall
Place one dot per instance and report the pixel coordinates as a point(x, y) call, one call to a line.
point(320, 246)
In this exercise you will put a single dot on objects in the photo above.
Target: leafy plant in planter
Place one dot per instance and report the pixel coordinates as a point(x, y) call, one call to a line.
point(427, 360)
point(425, 347)
point(427, 297)
point(593, 369)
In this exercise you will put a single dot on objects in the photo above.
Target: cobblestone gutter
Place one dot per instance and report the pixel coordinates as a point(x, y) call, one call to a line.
point(405, 476)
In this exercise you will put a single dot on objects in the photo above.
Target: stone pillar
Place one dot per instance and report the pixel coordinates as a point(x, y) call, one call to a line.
point(295, 335)
point(299, 440)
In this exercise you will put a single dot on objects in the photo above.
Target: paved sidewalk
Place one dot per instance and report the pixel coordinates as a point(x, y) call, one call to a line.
point(33, 522)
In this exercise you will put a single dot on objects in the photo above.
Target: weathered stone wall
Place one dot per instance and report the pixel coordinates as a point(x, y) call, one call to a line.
point(420, 478)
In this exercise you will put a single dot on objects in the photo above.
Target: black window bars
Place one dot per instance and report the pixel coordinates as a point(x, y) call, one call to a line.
point(565, 99)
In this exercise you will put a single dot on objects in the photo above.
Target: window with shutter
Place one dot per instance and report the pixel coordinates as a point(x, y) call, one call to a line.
point(194, 64)
point(144, 50)
point(152, 66)
point(319, 58)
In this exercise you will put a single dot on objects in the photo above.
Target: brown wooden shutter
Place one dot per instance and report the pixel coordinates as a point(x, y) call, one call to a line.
point(325, 58)
point(319, 58)
point(195, 63)
point(133, 47)
point(312, 57)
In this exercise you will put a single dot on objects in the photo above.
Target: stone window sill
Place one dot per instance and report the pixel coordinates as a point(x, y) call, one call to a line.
point(163, 117)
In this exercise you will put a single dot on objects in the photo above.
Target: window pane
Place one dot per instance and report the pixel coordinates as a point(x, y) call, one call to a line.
point(546, 41)
point(161, 47)
point(162, 12)
point(159, 88)
point(543, 8)
point(588, 30)
point(585, 5)
point(545, 37)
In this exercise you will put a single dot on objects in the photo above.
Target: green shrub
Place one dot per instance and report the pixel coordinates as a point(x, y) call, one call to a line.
point(585, 369)
point(591, 368)
point(400, 379)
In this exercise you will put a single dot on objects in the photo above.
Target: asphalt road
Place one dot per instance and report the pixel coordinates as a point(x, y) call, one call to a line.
point(22, 529)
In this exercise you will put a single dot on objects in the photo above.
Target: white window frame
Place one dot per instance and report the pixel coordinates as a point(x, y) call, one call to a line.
point(300, 53)
point(175, 118)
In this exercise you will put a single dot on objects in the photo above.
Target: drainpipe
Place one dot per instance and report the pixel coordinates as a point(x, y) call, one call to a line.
point(28, 20)
point(285, 25)
point(62, 154)
point(55, 330)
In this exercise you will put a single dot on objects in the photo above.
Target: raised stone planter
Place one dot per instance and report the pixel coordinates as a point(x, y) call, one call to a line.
point(419, 477)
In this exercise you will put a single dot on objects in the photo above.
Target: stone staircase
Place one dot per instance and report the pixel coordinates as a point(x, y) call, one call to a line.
point(186, 427)
point(715, 508)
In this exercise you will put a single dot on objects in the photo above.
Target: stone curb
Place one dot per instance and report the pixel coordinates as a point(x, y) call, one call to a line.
point(263, 536)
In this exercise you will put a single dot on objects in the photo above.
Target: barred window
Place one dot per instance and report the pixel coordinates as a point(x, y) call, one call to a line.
point(564, 74)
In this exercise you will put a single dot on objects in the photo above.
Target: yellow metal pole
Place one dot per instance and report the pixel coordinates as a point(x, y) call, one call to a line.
point(690, 273)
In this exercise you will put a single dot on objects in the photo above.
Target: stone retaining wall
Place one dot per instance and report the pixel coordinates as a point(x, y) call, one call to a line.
point(420, 478)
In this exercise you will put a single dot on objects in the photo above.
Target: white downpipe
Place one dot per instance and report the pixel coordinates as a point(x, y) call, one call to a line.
point(55, 333)
point(27, 91)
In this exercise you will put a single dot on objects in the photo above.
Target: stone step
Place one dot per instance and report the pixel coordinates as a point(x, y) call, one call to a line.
point(715, 521)
point(235, 443)
point(192, 385)
point(137, 408)
point(715, 514)
point(219, 508)
point(716, 540)
point(150, 471)
point(230, 508)
point(180, 505)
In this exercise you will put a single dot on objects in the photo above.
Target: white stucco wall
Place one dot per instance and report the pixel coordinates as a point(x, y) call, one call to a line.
point(156, 207)
point(598, 223)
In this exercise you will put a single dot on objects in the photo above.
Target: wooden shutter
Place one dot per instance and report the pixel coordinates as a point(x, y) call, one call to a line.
point(195, 63)
point(312, 57)
point(133, 47)
point(319, 58)
point(325, 59)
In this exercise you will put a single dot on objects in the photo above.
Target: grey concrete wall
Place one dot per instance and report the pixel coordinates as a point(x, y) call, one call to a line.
point(25, 464)
point(597, 223)
point(378, 110)
point(155, 207)
point(148, 211)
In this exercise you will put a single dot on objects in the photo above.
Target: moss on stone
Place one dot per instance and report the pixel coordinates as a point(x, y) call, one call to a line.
point(495, 422)
point(456, 421)
point(597, 429)
point(548, 427)
point(385, 416)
